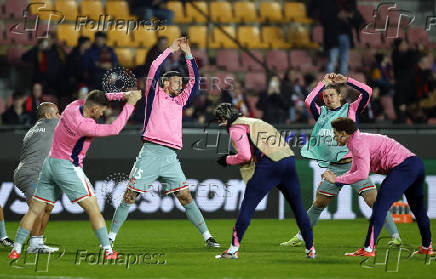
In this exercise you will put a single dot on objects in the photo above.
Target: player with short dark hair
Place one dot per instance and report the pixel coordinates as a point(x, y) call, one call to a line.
point(266, 161)
point(36, 146)
point(162, 136)
point(62, 169)
point(322, 147)
point(405, 174)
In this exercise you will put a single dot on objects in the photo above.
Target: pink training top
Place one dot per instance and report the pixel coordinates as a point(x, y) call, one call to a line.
point(239, 136)
point(74, 133)
point(355, 107)
point(163, 113)
point(372, 153)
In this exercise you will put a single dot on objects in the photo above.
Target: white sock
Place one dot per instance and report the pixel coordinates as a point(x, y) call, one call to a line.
point(112, 236)
point(299, 236)
point(233, 249)
point(107, 249)
point(368, 249)
point(206, 235)
point(4, 237)
point(307, 251)
point(35, 241)
point(17, 247)
point(396, 236)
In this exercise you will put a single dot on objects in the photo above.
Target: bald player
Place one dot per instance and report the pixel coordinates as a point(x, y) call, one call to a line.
point(36, 146)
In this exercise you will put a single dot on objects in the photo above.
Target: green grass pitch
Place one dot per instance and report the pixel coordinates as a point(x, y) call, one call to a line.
point(183, 250)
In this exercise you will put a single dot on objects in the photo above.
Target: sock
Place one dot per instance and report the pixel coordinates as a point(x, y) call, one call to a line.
point(112, 235)
point(390, 226)
point(313, 213)
point(3, 233)
point(368, 249)
point(194, 215)
point(206, 235)
point(232, 249)
point(20, 237)
point(102, 236)
point(36, 241)
point(119, 217)
point(396, 236)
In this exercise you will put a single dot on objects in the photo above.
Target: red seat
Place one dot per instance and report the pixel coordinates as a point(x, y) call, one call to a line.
point(13, 54)
point(318, 35)
point(367, 12)
point(391, 35)
point(298, 58)
point(249, 64)
point(200, 54)
point(417, 35)
point(15, 8)
point(277, 60)
point(17, 35)
point(255, 81)
point(357, 76)
point(223, 79)
point(355, 60)
point(229, 59)
point(374, 40)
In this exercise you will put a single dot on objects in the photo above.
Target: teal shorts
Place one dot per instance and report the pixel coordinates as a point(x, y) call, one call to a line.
point(61, 175)
point(157, 162)
point(331, 190)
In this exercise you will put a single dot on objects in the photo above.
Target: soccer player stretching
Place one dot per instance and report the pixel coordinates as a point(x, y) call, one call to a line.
point(405, 174)
point(322, 147)
point(62, 169)
point(162, 135)
point(265, 161)
point(36, 146)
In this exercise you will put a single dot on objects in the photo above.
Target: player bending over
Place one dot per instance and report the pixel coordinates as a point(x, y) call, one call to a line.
point(36, 146)
point(322, 147)
point(266, 161)
point(162, 136)
point(405, 174)
point(62, 169)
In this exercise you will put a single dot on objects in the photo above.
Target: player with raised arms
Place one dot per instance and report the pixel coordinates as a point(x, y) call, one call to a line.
point(266, 161)
point(62, 169)
point(405, 175)
point(322, 147)
point(162, 136)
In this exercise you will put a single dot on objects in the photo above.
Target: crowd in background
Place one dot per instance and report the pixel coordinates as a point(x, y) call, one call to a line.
point(403, 77)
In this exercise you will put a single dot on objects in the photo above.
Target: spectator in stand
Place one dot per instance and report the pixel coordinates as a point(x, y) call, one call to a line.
point(16, 114)
point(75, 69)
point(98, 59)
point(403, 60)
point(274, 103)
point(150, 9)
point(235, 94)
point(297, 91)
point(152, 54)
point(338, 18)
point(31, 103)
point(48, 61)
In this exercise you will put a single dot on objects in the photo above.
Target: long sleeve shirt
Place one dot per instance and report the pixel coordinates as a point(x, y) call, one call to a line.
point(355, 108)
point(163, 113)
point(74, 133)
point(372, 153)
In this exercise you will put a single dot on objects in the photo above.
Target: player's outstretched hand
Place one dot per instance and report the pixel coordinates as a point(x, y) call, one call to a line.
point(328, 78)
point(184, 46)
point(329, 176)
point(133, 97)
point(176, 44)
point(340, 79)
